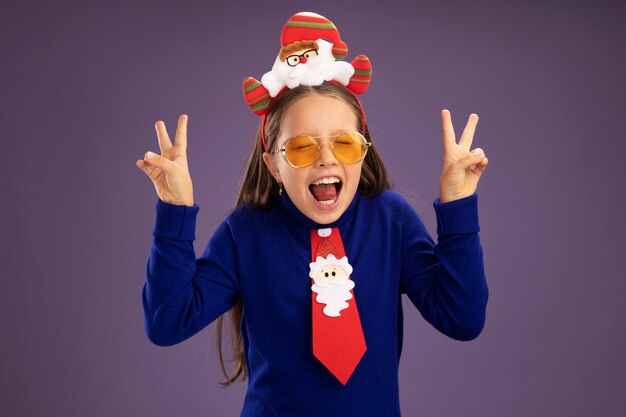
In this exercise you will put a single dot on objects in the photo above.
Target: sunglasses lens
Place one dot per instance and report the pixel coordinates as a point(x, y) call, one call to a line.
point(301, 151)
point(350, 148)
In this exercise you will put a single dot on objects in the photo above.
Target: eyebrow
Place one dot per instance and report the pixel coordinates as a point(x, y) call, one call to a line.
point(335, 132)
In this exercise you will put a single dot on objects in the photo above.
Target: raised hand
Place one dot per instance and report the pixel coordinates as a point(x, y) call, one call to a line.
point(461, 168)
point(169, 171)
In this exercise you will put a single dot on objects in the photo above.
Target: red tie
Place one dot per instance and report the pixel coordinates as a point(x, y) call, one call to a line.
point(338, 340)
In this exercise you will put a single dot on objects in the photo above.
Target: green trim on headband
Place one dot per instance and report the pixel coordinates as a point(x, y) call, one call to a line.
point(251, 86)
point(262, 105)
point(260, 99)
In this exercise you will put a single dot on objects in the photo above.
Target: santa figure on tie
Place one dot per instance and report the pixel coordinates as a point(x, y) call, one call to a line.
point(331, 277)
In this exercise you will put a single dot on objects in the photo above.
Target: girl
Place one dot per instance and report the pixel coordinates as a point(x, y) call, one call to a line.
point(315, 255)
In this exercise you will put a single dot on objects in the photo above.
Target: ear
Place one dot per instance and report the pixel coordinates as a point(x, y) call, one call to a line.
point(272, 166)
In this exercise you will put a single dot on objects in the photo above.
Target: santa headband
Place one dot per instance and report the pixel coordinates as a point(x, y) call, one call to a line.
point(310, 54)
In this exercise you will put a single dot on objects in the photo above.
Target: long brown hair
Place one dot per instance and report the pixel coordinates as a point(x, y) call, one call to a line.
point(260, 190)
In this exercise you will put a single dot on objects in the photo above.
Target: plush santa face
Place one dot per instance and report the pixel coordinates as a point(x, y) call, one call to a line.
point(308, 66)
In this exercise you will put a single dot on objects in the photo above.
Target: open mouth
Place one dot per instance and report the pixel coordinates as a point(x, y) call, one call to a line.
point(326, 190)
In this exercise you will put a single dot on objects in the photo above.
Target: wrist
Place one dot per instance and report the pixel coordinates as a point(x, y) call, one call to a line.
point(188, 203)
point(447, 198)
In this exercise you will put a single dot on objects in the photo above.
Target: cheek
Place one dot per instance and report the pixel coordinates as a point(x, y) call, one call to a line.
point(354, 173)
point(293, 178)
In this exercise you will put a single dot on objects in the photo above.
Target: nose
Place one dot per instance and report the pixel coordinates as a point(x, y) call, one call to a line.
point(303, 60)
point(326, 157)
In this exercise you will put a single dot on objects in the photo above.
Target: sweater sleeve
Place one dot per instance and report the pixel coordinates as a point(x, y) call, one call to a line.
point(183, 295)
point(446, 281)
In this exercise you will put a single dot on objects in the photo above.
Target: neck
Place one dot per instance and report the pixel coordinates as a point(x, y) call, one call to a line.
point(291, 211)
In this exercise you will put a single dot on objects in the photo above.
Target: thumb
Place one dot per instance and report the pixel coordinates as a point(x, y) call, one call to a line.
point(474, 157)
point(158, 161)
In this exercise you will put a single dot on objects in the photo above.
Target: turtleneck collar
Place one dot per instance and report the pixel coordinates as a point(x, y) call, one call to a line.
point(287, 207)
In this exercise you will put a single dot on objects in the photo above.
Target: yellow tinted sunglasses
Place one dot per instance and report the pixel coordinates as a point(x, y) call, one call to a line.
point(302, 150)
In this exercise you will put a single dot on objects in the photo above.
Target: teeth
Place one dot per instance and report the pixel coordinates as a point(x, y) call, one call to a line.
point(327, 180)
point(328, 202)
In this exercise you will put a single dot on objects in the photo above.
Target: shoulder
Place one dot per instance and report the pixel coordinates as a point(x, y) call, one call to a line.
point(395, 206)
point(390, 201)
point(236, 225)
point(387, 207)
point(242, 214)
point(245, 217)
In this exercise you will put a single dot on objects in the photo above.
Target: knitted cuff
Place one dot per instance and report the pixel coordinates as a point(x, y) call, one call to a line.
point(457, 216)
point(174, 221)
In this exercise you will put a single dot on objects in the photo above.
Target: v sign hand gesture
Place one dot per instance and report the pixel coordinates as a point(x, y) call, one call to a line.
point(169, 171)
point(461, 168)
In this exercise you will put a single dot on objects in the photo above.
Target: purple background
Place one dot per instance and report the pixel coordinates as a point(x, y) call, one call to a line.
point(83, 85)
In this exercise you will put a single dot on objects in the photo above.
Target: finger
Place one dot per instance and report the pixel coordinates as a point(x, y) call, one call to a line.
point(157, 161)
point(479, 169)
point(146, 165)
point(141, 164)
point(482, 165)
point(181, 132)
point(164, 139)
point(448, 130)
point(472, 158)
point(468, 132)
point(149, 170)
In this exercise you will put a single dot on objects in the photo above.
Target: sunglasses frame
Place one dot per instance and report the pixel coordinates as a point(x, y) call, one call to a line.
point(283, 148)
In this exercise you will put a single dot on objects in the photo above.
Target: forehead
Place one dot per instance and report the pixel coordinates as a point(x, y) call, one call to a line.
point(318, 115)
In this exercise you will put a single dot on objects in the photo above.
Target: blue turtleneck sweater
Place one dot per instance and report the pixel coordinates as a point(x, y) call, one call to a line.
point(263, 256)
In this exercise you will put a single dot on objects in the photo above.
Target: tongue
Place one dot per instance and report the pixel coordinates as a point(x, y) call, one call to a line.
point(324, 192)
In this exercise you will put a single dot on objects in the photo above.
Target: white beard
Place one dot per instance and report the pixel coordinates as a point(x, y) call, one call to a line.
point(334, 296)
point(317, 69)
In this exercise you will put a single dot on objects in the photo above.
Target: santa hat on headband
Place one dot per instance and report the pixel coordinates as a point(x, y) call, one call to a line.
point(311, 26)
point(310, 54)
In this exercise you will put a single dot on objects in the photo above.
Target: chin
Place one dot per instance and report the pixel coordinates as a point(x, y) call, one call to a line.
point(325, 218)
